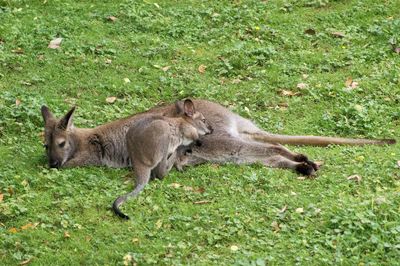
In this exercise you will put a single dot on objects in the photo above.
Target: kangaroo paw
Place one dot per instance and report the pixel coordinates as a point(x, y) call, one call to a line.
point(305, 169)
point(303, 158)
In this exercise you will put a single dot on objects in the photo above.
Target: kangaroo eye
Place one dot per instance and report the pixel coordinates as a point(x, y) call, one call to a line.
point(204, 120)
point(61, 144)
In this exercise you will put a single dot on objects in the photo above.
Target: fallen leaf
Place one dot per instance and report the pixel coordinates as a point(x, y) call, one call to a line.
point(134, 240)
point(27, 226)
point(108, 61)
point(348, 81)
point(236, 81)
point(310, 31)
point(13, 230)
point(299, 210)
point(338, 34)
point(25, 262)
point(380, 200)
point(128, 259)
point(18, 51)
point(200, 190)
point(175, 185)
point(126, 80)
point(17, 102)
point(112, 18)
point(40, 57)
point(1, 197)
point(10, 191)
point(302, 85)
point(276, 226)
point(159, 224)
point(234, 248)
point(111, 99)
point(283, 209)
point(301, 178)
point(202, 69)
point(55, 44)
point(355, 178)
point(66, 234)
point(305, 76)
point(288, 93)
point(398, 165)
point(202, 202)
point(165, 69)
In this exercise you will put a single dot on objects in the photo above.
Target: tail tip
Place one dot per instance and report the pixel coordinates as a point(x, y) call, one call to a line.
point(389, 141)
point(118, 212)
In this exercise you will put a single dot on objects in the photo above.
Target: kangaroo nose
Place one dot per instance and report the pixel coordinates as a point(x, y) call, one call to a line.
point(54, 164)
point(210, 129)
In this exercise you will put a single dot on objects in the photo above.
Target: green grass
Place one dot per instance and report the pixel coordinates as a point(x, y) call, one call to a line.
point(252, 50)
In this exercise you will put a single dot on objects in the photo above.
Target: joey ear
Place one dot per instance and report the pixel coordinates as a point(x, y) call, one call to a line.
point(188, 108)
point(46, 114)
point(66, 122)
point(179, 107)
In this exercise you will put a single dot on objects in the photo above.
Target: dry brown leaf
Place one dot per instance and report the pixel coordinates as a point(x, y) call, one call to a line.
point(202, 69)
point(66, 234)
point(112, 18)
point(200, 190)
point(25, 262)
point(338, 34)
point(355, 178)
point(27, 226)
point(310, 31)
point(111, 99)
point(13, 230)
point(1, 197)
point(288, 93)
point(302, 86)
point(348, 81)
point(202, 202)
point(55, 44)
point(165, 69)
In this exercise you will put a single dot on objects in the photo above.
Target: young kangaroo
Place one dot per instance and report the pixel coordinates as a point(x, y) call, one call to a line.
point(152, 142)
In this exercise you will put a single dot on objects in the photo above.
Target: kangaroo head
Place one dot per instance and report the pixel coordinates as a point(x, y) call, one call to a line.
point(194, 118)
point(59, 140)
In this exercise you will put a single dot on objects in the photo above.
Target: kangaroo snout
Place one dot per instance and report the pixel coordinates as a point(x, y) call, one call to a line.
point(54, 164)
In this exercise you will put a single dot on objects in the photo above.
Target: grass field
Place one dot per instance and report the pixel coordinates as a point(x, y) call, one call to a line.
point(318, 67)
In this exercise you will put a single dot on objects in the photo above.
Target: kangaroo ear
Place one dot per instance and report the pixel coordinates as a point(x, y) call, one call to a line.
point(66, 122)
point(179, 107)
point(188, 108)
point(47, 115)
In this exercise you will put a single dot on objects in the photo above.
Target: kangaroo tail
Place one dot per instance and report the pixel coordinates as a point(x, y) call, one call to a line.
point(121, 199)
point(317, 140)
point(118, 202)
